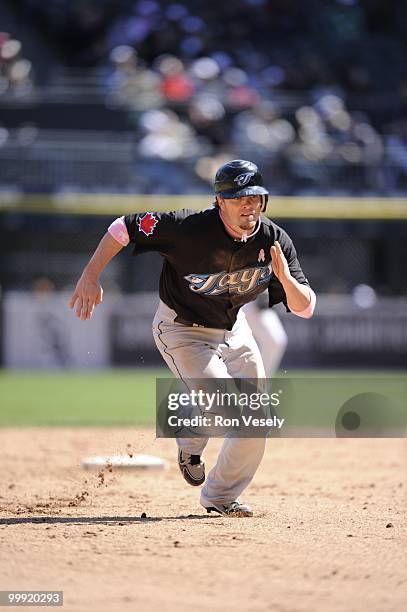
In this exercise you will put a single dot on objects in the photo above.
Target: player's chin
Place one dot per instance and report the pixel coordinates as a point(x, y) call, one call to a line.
point(247, 224)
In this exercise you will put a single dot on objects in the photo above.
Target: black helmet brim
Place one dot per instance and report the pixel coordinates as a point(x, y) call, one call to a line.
point(245, 191)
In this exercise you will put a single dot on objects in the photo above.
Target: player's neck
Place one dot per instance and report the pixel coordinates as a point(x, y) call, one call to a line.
point(237, 235)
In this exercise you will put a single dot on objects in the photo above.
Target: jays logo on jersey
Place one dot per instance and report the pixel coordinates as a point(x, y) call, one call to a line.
point(240, 281)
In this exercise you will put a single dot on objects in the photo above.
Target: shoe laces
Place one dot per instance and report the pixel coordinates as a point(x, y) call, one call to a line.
point(234, 505)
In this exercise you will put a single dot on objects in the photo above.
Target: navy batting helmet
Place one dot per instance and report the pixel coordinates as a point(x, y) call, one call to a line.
point(238, 178)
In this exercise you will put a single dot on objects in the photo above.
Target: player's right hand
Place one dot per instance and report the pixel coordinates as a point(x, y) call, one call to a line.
point(88, 294)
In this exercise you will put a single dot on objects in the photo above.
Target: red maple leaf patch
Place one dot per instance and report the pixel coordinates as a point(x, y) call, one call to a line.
point(147, 224)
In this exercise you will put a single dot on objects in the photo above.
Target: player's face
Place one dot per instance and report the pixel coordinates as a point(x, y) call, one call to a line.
point(241, 213)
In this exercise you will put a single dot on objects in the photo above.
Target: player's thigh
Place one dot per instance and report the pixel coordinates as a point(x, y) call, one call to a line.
point(245, 360)
point(187, 354)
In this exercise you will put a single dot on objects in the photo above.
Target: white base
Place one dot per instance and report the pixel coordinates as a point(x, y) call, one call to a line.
point(138, 462)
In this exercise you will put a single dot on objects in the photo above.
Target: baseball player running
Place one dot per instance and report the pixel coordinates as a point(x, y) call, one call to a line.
point(215, 261)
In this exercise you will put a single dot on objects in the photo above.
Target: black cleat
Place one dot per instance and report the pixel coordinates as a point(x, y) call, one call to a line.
point(235, 508)
point(192, 468)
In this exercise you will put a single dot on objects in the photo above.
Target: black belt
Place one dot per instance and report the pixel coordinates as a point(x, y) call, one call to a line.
point(179, 319)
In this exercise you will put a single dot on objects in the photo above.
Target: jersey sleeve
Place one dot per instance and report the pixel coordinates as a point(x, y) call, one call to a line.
point(154, 231)
point(275, 288)
point(118, 231)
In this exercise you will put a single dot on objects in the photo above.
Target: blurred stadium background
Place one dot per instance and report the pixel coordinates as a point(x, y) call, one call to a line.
point(109, 106)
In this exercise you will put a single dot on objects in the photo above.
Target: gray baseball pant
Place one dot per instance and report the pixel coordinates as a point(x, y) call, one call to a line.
point(203, 352)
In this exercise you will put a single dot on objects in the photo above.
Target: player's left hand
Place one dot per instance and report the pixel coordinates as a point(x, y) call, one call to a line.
point(279, 262)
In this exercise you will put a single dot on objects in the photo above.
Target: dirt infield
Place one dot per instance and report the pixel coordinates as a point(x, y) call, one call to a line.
point(329, 532)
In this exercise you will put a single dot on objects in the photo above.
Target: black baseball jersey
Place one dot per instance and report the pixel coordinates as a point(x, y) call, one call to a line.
point(207, 275)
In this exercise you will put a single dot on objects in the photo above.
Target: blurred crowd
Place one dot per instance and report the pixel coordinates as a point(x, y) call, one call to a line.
point(188, 109)
point(306, 41)
point(203, 77)
point(16, 78)
point(282, 81)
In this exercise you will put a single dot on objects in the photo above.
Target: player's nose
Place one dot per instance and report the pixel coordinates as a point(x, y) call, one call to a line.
point(247, 206)
point(246, 203)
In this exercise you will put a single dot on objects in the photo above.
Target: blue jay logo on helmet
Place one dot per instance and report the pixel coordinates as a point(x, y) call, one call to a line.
point(244, 178)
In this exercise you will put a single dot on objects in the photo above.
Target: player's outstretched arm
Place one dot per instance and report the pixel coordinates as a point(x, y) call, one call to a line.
point(299, 297)
point(88, 291)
